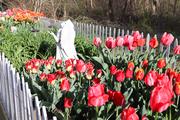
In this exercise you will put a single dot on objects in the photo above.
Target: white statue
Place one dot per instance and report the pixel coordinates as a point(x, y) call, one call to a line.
point(65, 48)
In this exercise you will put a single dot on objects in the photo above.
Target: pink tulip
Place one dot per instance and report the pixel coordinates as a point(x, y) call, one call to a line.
point(167, 39)
point(97, 41)
point(119, 41)
point(110, 43)
point(177, 50)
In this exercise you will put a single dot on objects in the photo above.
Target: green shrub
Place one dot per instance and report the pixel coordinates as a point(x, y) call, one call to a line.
point(25, 44)
point(85, 47)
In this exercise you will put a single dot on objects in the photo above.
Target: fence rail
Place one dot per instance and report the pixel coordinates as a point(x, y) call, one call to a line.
point(16, 97)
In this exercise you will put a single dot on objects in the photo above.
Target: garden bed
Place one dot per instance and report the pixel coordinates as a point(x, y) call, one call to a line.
point(119, 77)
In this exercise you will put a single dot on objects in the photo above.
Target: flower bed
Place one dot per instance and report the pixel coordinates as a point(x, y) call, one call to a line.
point(121, 82)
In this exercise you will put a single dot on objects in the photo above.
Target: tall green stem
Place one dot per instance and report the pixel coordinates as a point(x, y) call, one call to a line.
point(117, 112)
point(156, 117)
point(177, 102)
point(170, 116)
point(97, 112)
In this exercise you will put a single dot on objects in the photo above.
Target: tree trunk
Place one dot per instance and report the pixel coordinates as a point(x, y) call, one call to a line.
point(111, 11)
point(125, 7)
point(174, 7)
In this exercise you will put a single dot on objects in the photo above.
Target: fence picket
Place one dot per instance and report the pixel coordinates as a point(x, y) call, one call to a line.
point(97, 31)
point(27, 101)
point(103, 34)
point(100, 33)
point(14, 106)
point(7, 90)
point(127, 33)
point(54, 118)
point(93, 32)
point(31, 104)
point(122, 33)
point(21, 102)
point(24, 97)
point(119, 32)
point(38, 115)
point(114, 32)
point(147, 41)
point(109, 32)
point(44, 113)
point(90, 32)
point(106, 32)
point(175, 42)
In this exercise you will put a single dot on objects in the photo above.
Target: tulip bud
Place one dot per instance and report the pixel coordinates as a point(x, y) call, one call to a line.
point(140, 74)
point(161, 63)
point(177, 88)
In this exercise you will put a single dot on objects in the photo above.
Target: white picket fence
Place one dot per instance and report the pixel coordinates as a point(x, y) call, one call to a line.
point(15, 95)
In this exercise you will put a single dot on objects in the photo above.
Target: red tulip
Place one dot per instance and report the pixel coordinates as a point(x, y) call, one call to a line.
point(160, 98)
point(178, 77)
point(119, 41)
point(161, 63)
point(136, 35)
point(96, 95)
point(113, 70)
point(118, 98)
point(51, 78)
point(167, 39)
point(141, 42)
point(177, 88)
point(29, 65)
point(51, 59)
point(144, 117)
point(65, 85)
point(80, 66)
point(111, 94)
point(34, 69)
point(177, 50)
point(120, 75)
point(129, 73)
point(162, 79)
point(110, 43)
point(171, 73)
point(151, 78)
point(69, 65)
point(47, 64)
point(99, 73)
point(68, 102)
point(97, 41)
point(139, 74)
point(72, 74)
point(58, 63)
point(129, 114)
point(90, 70)
point(145, 63)
point(128, 42)
point(153, 43)
point(42, 76)
point(131, 65)
point(60, 74)
point(96, 80)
